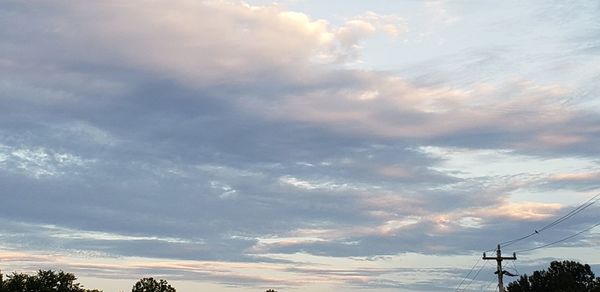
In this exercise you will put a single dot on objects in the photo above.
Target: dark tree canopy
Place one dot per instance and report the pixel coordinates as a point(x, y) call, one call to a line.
point(565, 276)
point(43, 281)
point(270, 290)
point(151, 285)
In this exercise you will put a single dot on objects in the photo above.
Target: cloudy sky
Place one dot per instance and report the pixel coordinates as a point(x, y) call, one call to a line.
point(300, 145)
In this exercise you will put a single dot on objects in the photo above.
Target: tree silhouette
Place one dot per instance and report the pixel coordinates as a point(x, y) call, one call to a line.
point(15, 282)
point(151, 285)
point(565, 276)
point(43, 281)
point(270, 290)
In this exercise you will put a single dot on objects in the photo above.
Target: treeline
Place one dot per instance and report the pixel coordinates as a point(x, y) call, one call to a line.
point(59, 281)
point(561, 276)
point(43, 281)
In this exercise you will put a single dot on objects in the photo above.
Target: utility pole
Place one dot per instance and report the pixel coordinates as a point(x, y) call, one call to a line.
point(498, 258)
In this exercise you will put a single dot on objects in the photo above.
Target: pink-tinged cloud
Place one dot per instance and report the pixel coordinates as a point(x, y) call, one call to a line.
point(533, 115)
point(527, 211)
point(218, 42)
point(583, 179)
point(576, 177)
point(7, 257)
point(241, 44)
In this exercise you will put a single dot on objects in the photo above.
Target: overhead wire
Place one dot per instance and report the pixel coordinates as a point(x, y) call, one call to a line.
point(557, 221)
point(561, 240)
point(467, 276)
point(475, 277)
point(489, 285)
point(515, 266)
point(573, 212)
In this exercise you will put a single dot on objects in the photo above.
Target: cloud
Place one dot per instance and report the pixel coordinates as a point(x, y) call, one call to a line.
point(40, 162)
point(363, 26)
point(440, 12)
point(401, 110)
point(584, 180)
point(235, 42)
point(374, 103)
point(209, 136)
point(525, 211)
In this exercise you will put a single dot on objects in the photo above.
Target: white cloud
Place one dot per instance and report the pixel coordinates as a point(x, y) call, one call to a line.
point(440, 13)
point(40, 162)
point(213, 42)
point(392, 25)
point(89, 133)
point(355, 30)
point(208, 42)
point(226, 190)
point(316, 185)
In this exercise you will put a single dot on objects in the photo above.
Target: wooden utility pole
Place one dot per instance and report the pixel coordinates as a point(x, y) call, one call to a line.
point(498, 258)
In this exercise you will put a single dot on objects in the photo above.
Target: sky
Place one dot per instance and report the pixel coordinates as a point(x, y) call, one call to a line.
point(297, 145)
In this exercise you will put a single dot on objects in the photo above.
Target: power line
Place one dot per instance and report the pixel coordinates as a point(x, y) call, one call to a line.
point(573, 212)
point(563, 239)
point(489, 285)
point(467, 276)
point(511, 242)
point(515, 266)
point(557, 221)
point(475, 277)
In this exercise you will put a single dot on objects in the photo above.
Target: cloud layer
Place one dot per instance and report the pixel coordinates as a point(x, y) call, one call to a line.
point(207, 133)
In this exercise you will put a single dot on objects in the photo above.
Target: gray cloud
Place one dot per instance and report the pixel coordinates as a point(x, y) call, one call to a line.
point(117, 143)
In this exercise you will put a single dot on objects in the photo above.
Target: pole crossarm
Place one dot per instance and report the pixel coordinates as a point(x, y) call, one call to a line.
point(499, 258)
point(502, 258)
